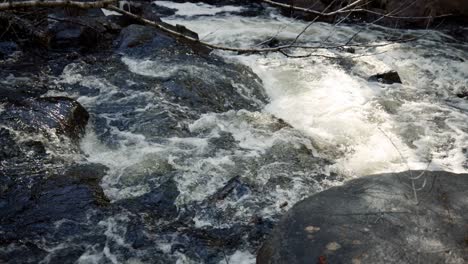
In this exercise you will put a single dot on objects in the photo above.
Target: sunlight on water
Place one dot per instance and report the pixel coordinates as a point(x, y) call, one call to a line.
point(359, 124)
point(192, 9)
point(324, 123)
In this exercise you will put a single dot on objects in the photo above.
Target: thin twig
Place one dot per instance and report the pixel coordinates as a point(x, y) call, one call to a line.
point(347, 9)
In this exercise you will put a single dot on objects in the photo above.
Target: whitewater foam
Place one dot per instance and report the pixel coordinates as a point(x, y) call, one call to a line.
point(197, 9)
point(365, 127)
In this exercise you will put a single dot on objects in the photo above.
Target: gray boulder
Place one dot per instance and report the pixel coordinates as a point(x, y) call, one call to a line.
point(377, 219)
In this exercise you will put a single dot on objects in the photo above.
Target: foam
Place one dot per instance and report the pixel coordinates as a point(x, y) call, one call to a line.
point(197, 9)
point(343, 113)
point(240, 257)
point(361, 127)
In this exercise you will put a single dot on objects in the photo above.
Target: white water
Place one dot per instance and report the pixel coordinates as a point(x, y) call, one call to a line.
point(198, 9)
point(348, 117)
point(335, 113)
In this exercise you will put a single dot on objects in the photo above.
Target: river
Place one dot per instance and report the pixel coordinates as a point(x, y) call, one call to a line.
point(323, 123)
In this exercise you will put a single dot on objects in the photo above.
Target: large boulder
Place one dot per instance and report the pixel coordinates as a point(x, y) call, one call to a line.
point(377, 219)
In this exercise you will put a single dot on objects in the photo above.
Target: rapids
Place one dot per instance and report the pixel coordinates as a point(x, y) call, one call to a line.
point(350, 120)
point(318, 123)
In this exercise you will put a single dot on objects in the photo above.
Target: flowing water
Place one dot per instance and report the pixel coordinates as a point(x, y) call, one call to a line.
point(350, 120)
point(323, 123)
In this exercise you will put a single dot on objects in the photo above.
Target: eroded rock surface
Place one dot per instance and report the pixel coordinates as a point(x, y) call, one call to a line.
point(376, 219)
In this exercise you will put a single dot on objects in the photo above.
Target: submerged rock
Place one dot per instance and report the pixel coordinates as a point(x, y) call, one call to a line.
point(377, 220)
point(159, 203)
point(30, 211)
point(7, 48)
point(65, 194)
point(389, 77)
point(8, 148)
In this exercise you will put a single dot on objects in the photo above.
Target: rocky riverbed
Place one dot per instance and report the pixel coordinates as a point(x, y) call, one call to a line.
point(120, 144)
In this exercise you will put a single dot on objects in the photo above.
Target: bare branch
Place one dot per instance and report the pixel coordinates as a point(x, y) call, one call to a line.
point(311, 11)
point(348, 9)
point(244, 50)
point(310, 24)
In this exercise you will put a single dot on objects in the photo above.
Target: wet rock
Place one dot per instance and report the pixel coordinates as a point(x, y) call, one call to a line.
point(14, 95)
point(376, 219)
point(121, 21)
point(11, 149)
point(462, 94)
point(273, 42)
point(8, 147)
point(30, 209)
point(349, 50)
point(64, 115)
point(223, 141)
point(185, 31)
point(68, 35)
point(82, 32)
point(26, 253)
point(7, 48)
point(159, 203)
point(389, 77)
point(135, 35)
point(145, 9)
point(132, 7)
point(217, 239)
point(153, 70)
point(234, 186)
point(162, 11)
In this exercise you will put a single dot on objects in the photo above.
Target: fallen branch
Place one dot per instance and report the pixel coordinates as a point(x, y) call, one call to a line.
point(162, 27)
point(280, 48)
point(191, 39)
